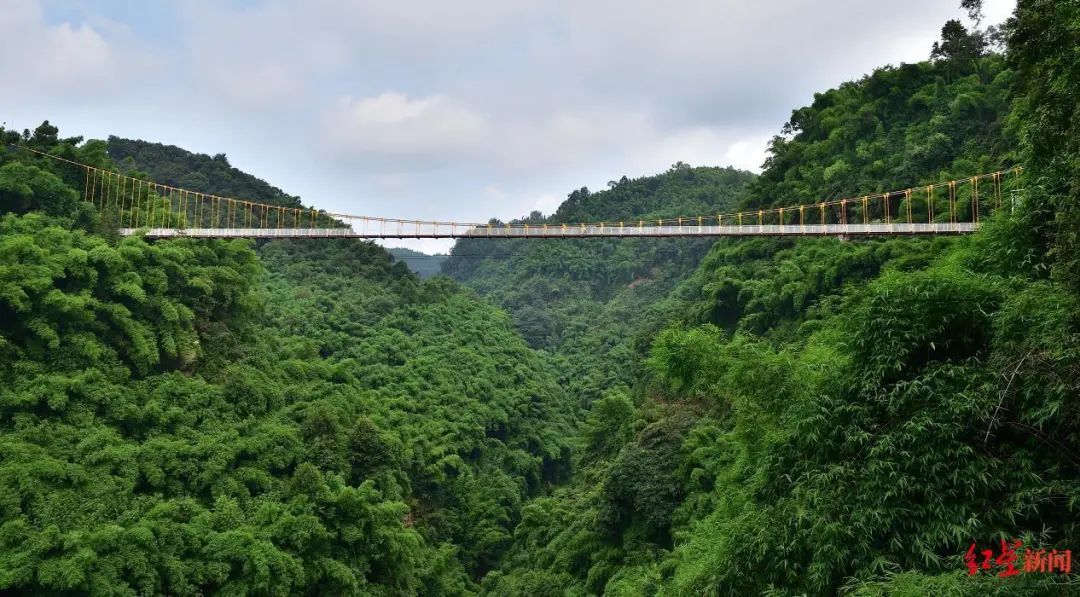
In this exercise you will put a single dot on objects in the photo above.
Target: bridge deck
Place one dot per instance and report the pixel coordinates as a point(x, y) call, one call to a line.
point(432, 230)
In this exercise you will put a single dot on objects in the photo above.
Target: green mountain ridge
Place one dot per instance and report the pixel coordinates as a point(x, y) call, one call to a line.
point(171, 165)
point(592, 417)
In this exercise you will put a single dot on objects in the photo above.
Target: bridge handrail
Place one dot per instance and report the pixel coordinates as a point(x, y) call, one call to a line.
point(142, 204)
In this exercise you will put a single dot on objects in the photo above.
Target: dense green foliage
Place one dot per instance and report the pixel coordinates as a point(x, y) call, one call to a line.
point(928, 412)
point(830, 416)
point(1045, 53)
point(900, 126)
point(590, 301)
point(189, 416)
point(618, 417)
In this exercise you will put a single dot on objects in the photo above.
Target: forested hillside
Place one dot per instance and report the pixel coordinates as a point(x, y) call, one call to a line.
point(191, 417)
point(899, 126)
point(591, 302)
point(826, 416)
point(590, 417)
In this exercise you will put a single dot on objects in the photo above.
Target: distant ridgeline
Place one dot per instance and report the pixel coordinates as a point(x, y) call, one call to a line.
point(171, 165)
point(589, 300)
point(422, 264)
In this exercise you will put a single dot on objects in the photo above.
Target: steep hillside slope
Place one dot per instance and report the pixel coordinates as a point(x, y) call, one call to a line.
point(827, 417)
point(587, 301)
point(899, 126)
point(192, 417)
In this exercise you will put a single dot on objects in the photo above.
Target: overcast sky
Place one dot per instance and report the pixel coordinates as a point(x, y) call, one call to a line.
point(461, 110)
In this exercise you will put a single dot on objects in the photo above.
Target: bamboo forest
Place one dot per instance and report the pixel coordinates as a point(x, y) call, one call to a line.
point(659, 415)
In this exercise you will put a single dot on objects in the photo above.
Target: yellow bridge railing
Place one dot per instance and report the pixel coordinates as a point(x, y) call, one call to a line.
point(139, 206)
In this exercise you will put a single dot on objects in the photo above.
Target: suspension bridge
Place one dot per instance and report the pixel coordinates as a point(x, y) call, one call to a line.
point(139, 207)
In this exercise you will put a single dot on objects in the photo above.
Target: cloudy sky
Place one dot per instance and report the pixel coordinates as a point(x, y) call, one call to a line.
point(447, 110)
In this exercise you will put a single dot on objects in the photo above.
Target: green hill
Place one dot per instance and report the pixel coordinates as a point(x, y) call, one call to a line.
point(822, 416)
point(615, 417)
point(592, 302)
point(188, 417)
point(171, 165)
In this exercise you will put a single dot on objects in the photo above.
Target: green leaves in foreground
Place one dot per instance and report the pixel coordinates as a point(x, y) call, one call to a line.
point(912, 435)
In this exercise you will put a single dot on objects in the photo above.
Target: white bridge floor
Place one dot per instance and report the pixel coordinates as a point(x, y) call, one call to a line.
point(436, 230)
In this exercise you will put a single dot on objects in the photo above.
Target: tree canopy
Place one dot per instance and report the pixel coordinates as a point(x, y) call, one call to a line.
point(606, 416)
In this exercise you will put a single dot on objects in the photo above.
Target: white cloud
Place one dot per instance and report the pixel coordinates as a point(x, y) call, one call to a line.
point(303, 42)
point(748, 154)
point(546, 203)
point(260, 84)
point(65, 58)
point(423, 131)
